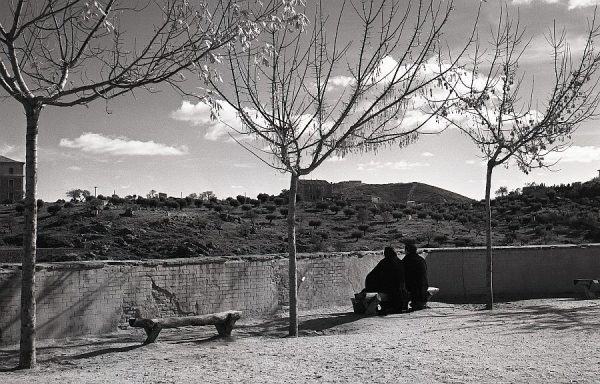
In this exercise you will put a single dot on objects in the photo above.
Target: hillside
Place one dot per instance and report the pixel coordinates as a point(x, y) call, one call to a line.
point(139, 228)
point(400, 193)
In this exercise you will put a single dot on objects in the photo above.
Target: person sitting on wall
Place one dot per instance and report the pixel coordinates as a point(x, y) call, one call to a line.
point(415, 268)
point(388, 278)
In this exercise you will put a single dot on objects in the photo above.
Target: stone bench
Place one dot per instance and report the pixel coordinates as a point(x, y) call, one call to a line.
point(223, 321)
point(590, 287)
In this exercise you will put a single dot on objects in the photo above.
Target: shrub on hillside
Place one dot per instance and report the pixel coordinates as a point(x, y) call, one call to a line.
point(271, 217)
point(356, 235)
point(349, 212)
point(314, 223)
point(364, 228)
point(19, 208)
point(53, 209)
point(322, 205)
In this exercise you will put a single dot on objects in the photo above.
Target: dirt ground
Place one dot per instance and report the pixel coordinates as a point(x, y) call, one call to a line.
point(532, 341)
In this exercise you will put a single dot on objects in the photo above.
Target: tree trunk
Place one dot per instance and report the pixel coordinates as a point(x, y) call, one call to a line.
point(27, 356)
point(293, 279)
point(489, 278)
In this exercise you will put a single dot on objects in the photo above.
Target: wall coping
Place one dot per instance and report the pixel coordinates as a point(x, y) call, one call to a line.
point(99, 264)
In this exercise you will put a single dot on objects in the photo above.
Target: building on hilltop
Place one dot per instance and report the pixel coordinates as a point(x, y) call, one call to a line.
point(11, 180)
point(314, 190)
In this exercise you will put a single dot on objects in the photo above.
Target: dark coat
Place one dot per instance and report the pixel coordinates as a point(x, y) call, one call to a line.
point(415, 269)
point(388, 277)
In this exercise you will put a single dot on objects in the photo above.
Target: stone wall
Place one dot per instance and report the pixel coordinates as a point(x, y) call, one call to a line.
point(77, 298)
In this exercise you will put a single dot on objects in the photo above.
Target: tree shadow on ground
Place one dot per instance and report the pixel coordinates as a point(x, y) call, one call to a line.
point(547, 317)
point(311, 326)
point(105, 351)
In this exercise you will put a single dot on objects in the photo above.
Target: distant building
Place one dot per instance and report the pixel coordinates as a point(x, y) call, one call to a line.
point(314, 190)
point(11, 179)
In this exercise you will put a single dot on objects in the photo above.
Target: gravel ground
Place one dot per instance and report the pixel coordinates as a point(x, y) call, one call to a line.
point(532, 341)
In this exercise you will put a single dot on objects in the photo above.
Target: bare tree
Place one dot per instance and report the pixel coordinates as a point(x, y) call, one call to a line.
point(494, 105)
point(306, 96)
point(64, 53)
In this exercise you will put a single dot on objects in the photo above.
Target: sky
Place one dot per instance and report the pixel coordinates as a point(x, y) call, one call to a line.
point(162, 142)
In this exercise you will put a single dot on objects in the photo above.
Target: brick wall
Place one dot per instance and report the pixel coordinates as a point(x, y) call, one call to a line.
point(77, 298)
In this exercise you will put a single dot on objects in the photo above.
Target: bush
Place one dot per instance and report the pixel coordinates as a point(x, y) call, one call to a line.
point(422, 215)
point(283, 211)
point(436, 216)
point(349, 212)
point(356, 235)
point(68, 205)
point(40, 203)
point(271, 208)
point(440, 238)
point(246, 207)
point(271, 217)
point(53, 209)
point(322, 205)
point(234, 203)
point(198, 203)
point(397, 215)
point(19, 208)
point(364, 228)
point(314, 223)
point(374, 210)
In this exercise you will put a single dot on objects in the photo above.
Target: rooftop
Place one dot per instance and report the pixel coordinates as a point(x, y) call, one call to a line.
point(4, 159)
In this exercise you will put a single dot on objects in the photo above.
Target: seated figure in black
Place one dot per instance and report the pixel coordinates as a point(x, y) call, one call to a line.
point(415, 269)
point(388, 277)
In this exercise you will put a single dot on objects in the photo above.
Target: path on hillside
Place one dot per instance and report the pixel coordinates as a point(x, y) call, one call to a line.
point(534, 341)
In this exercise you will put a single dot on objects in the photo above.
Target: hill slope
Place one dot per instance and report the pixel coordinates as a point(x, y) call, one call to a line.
point(401, 193)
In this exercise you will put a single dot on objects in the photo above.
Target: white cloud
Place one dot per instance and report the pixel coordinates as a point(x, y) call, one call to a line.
point(243, 165)
point(6, 149)
point(575, 154)
point(572, 4)
point(339, 81)
point(427, 154)
point(520, 2)
point(74, 168)
point(481, 163)
point(335, 159)
point(540, 51)
point(199, 115)
point(582, 3)
point(120, 146)
point(396, 165)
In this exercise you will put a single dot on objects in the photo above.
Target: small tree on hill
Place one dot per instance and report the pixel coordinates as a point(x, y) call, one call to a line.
point(356, 235)
point(270, 217)
point(314, 223)
point(502, 191)
point(364, 228)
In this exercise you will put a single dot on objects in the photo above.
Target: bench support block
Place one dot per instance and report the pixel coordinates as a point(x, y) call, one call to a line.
point(589, 287)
